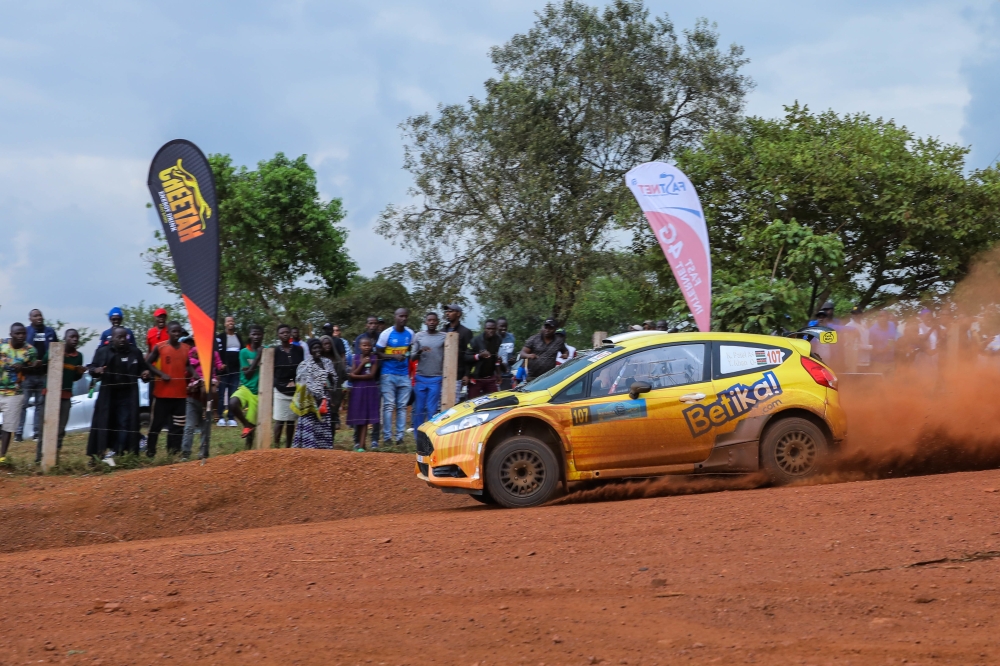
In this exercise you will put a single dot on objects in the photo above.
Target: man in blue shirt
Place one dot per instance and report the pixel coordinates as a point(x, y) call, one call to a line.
point(115, 316)
point(393, 349)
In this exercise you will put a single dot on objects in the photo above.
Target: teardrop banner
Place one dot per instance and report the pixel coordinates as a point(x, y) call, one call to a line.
point(672, 208)
point(183, 190)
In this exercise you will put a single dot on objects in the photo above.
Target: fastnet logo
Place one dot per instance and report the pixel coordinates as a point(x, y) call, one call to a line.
point(669, 186)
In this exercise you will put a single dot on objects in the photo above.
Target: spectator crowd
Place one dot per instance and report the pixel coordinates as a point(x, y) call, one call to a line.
point(369, 384)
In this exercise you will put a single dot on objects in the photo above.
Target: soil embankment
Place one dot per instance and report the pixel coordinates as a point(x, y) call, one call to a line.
point(252, 489)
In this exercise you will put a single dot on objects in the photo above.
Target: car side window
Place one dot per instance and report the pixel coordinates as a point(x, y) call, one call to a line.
point(574, 391)
point(662, 367)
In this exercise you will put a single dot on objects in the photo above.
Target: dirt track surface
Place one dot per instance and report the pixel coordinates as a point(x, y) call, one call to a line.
point(770, 576)
point(253, 489)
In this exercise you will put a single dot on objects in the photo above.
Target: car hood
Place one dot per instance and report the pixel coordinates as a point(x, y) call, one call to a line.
point(499, 400)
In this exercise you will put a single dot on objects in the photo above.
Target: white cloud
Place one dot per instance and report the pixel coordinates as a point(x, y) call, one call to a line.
point(902, 64)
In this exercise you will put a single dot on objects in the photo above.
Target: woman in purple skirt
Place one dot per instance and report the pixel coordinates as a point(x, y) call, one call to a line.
point(363, 408)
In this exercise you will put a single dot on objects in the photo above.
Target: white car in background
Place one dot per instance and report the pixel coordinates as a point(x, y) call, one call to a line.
point(82, 412)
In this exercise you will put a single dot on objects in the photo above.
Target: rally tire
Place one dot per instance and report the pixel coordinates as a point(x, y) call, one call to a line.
point(522, 472)
point(793, 449)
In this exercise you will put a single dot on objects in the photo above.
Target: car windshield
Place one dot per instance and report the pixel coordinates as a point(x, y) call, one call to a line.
point(566, 370)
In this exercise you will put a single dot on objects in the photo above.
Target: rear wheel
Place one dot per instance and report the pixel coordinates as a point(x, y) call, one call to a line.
point(793, 449)
point(522, 472)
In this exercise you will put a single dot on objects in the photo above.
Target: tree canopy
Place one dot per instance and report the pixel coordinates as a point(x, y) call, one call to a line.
point(525, 187)
point(810, 207)
point(281, 243)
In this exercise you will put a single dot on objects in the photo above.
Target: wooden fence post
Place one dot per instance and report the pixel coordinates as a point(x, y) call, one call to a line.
point(53, 401)
point(449, 374)
point(265, 400)
point(598, 338)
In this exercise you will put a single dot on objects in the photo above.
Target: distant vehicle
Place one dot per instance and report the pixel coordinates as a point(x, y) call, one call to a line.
point(645, 403)
point(82, 413)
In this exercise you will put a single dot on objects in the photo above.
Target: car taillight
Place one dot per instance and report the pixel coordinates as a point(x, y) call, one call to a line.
point(819, 373)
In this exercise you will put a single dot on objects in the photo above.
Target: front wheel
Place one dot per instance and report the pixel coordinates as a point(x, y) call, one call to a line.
point(793, 449)
point(522, 472)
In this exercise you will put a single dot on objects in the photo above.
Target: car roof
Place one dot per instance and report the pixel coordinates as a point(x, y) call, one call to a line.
point(638, 339)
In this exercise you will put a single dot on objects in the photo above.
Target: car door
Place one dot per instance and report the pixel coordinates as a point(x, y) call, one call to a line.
point(746, 386)
point(611, 430)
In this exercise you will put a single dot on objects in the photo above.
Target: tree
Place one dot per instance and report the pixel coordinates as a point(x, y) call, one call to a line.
point(525, 187)
point(277, 236)
point(380, 296)
point(811, 207)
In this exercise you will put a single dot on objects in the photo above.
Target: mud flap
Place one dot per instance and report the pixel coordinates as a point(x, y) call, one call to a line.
point(742, 457)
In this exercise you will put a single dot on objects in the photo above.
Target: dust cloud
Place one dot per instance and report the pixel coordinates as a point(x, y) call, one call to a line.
point(662, 486)
point(928, 404)
point(935, 408)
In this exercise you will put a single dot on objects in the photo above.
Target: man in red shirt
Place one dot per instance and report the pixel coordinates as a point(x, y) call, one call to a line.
point(158, 333)
point(170, 390)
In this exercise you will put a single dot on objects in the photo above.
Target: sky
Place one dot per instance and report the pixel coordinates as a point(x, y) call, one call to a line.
point(89, 91)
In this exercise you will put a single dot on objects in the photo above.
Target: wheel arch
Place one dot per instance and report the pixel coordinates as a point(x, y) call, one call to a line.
point(531, 427)
point(798, 412)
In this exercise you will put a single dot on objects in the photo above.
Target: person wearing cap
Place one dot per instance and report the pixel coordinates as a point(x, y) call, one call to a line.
point(823, 316)
point(453, 315)
point(158, 333)
point(541, 349)
point(116, 317)
point(648, 325)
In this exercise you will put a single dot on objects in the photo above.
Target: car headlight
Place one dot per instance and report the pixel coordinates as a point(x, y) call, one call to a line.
point(470, 421)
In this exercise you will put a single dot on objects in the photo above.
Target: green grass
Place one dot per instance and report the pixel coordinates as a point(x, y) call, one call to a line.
point(225, 441)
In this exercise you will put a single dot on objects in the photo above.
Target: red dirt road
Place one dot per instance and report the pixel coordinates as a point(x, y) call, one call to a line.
point(756, 576)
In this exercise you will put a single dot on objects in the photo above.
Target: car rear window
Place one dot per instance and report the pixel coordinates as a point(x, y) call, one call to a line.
point(741, 358)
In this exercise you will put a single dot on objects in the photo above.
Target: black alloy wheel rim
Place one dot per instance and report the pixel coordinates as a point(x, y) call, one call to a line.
point(796, 453)
point(522, 473)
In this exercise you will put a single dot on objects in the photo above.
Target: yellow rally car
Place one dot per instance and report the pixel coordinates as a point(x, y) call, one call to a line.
point(646, 403)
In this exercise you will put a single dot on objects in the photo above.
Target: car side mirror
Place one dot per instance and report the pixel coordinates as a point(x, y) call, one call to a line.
point(639, 387)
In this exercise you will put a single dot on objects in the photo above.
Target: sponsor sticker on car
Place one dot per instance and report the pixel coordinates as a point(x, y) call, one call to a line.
point(616, 411)
point(740, 359)
point(731, 404)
